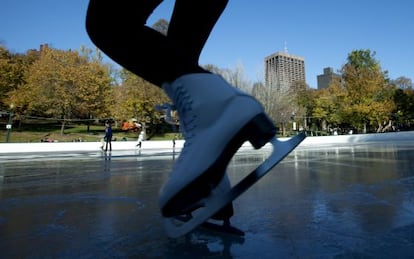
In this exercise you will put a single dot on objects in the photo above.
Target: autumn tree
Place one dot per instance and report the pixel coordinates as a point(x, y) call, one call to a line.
point(303, 97)
point(137, 98)
point(12, 69)
point(329, 105)
point(65, 85)
point(369, 95)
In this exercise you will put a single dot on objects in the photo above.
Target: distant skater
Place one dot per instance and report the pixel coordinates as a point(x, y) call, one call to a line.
point(108, 136)
point(140, 138)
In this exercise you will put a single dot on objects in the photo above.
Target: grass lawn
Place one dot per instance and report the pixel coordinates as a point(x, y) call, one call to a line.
point(36, 132)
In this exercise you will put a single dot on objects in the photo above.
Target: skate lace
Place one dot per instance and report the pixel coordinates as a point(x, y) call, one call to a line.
point(188, 119)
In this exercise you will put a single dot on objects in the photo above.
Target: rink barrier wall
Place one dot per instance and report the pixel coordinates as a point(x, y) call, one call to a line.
point(9, 148)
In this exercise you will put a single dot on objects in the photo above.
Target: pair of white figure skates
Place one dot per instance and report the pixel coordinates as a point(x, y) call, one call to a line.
point(216, 119)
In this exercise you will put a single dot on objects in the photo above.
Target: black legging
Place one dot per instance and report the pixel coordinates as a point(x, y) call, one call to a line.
point(118, 29)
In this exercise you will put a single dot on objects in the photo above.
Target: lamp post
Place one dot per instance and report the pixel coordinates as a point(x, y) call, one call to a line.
point(10, 123)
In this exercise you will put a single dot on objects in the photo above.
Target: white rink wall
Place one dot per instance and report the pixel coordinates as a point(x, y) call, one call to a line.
point(10, 148)
point(359, 138)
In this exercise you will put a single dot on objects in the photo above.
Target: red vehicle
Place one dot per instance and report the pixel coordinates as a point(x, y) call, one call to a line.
point(131, 126)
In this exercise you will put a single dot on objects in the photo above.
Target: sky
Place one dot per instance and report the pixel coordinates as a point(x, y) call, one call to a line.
point(323, 32)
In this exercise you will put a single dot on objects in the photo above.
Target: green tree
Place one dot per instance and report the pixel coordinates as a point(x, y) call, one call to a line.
point(94, 94)
point(404, 107)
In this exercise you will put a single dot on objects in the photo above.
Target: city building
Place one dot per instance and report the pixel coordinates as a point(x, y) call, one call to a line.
point(282, 69)
point(326, 78)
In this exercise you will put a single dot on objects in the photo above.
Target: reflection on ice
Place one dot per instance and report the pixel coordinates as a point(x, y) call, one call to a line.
point(336, 201)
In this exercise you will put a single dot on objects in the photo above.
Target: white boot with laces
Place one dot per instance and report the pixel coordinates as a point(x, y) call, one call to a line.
point(216, 119)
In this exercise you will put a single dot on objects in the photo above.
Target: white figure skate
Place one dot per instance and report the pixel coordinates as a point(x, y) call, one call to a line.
point(216, 119)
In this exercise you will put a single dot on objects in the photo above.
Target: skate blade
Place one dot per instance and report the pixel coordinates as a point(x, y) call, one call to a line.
point(222, 229)
point(183, 224)
point(176, 226)
point(218, 199)
point(215, 227)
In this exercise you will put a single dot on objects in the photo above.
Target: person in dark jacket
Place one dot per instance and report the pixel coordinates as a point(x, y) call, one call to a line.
point(108, 136)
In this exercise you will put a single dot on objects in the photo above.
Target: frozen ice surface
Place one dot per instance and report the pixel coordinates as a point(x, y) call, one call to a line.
point(347, 201)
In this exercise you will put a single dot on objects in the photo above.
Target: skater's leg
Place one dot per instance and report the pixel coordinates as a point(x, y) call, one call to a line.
point(209, 108)
point(141, 49)
point(184, 92)
point(190, 14)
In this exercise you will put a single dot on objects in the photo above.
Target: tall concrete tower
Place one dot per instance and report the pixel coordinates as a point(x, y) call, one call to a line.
point(282, 69)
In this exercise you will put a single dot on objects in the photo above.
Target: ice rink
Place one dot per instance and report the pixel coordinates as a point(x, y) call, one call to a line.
point(347, 200)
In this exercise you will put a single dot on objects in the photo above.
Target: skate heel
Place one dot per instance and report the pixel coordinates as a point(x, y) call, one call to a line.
point(260, 130)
